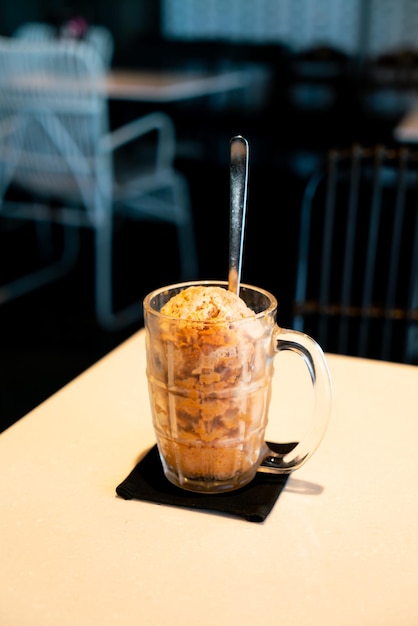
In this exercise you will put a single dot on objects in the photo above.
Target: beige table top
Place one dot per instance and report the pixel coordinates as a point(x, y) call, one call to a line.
point(406, 131)
point(145, 85)
point(340, 546)
point(164, 86)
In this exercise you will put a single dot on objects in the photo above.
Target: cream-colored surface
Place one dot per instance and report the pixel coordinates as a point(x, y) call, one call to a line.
point(154, 86)
point(340, 546)
point(171, 86)
point(407, 129)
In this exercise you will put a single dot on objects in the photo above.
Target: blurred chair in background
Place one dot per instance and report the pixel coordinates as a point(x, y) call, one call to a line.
point(97, 36)
point(55, 144)
point(357, 272)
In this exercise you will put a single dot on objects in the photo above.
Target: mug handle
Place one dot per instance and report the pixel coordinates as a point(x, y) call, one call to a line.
point(314, 358)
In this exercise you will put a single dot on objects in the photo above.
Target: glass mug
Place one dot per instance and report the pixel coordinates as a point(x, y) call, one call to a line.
point(210, 385)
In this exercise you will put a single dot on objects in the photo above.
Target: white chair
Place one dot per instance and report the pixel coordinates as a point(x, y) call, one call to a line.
point(55, 144)
point(97, 36)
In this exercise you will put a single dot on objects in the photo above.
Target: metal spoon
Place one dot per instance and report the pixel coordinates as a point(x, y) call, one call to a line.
point(238, 203)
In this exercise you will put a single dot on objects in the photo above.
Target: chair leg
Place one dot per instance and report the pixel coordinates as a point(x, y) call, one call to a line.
point(106, 316)
point(185, 232)
point(412, 345)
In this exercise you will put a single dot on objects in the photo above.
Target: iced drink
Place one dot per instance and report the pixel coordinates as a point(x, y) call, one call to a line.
point(209, 369)
point(209, 366)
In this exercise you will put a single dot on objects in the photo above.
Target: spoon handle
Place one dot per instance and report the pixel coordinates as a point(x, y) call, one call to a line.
point(238, 200)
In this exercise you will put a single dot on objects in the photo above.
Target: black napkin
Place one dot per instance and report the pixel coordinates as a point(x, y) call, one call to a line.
point(252, 502)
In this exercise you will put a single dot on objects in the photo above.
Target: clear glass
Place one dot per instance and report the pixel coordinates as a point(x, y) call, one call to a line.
point(210, 386)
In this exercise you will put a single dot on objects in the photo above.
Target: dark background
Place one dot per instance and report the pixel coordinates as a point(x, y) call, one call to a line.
point(316, 98)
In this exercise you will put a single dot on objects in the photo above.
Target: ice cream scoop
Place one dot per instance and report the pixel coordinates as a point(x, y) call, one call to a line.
point(206, 303)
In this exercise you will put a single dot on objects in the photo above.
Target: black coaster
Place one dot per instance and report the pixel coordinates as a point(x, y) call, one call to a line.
point(252, 502)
